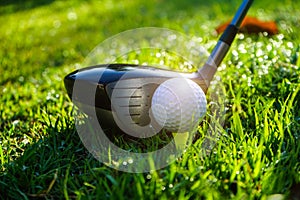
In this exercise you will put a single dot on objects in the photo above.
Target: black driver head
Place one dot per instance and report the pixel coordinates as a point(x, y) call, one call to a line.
point(122, 89)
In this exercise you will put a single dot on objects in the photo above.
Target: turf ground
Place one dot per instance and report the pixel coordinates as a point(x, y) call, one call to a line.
point(256, 156)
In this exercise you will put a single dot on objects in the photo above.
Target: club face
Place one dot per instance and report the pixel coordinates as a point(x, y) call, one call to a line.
point(120, 89)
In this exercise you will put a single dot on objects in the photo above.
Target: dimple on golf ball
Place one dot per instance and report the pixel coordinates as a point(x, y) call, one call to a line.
point(178, 104)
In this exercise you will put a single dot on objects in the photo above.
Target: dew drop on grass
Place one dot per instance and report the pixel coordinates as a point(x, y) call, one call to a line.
point(248, 40)
point(249, 82)
point(25, 141)
point(235, 53)
point(72, 16)
point(15, 123)
point(290, 45)
point(242, 49)
point(239, 64)
point(171, 186)
point(241, 36)
point(259, 53)
point(163, 188)
point(148, 176)
point(265, 34)
point(269, 47)
point(288, 53)
point(280, 36)
point(130, 161)
point(260, 60)
point(223, 66)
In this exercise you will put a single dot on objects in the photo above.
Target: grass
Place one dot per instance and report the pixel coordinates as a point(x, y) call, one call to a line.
point(41, 155)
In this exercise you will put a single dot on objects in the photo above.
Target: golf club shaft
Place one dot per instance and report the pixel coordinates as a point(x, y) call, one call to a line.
point(241, 13)
point(219, 52)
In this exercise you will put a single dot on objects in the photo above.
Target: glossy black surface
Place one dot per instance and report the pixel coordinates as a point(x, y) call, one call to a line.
point(133, 84)
point(103, 75)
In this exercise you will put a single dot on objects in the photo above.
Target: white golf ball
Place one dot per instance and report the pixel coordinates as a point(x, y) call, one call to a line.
point(178, 104)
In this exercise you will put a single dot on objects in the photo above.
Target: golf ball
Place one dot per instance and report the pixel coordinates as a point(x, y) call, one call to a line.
point(178, 105)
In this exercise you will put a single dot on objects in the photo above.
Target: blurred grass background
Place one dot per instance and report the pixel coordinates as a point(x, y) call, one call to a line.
point(41, 154)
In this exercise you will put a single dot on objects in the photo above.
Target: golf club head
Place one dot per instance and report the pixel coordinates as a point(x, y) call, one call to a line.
point(121, 94)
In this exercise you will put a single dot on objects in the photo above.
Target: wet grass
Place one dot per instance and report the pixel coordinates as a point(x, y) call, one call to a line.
point(41, 155)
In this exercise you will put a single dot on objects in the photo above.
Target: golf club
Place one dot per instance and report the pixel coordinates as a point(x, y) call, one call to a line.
point(127, 89)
